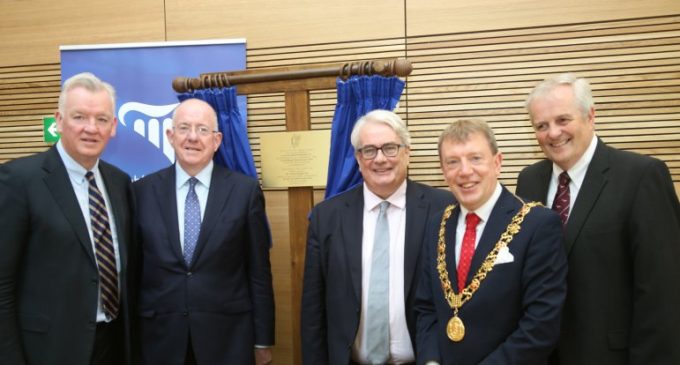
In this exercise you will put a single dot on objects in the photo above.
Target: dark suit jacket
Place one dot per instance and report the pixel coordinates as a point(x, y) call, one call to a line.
point(331, 297)
point(48, 273)
point(623, 242)
point(224, 300)
point(514, 316)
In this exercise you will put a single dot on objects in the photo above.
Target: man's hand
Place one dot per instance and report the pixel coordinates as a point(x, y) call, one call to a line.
point(263, 356)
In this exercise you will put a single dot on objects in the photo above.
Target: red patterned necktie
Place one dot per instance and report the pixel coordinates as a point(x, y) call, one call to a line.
point(561, 202)
point(467, 250)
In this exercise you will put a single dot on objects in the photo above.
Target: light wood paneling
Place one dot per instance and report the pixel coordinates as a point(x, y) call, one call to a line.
point(426, 17)
point(277, 212)
point(31, 31)
point(27, 93)
point(633, 66)
point(267, 23)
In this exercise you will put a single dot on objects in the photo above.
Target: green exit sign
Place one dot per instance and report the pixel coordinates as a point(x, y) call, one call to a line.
point(50, 129)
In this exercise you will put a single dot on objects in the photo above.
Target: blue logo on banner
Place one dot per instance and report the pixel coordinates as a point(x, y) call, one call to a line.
point(142, 76)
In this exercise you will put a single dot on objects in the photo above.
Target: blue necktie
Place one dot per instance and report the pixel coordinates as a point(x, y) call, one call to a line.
point(377, 312)
point(192, 221)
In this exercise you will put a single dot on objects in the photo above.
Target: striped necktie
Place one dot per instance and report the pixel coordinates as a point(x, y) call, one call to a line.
point(105, 254)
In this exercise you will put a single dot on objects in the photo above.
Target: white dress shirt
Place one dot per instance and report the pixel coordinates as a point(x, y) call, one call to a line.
point(577, 174)
point(182, 188)
point(401, 350)
point(76, 174)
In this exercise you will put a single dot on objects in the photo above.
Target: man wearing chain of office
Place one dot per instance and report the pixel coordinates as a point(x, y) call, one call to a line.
point(494, 270)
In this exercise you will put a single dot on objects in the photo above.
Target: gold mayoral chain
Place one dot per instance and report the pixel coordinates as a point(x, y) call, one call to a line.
point(455, 329)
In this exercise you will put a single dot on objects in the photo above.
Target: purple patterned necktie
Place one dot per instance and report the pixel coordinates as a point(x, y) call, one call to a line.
point(561, 202)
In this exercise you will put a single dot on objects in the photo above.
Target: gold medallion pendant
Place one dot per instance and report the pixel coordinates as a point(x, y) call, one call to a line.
point(455, 329)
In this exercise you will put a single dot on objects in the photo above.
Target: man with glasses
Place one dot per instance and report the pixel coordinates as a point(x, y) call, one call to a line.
point(206, 286)
point(363, 250)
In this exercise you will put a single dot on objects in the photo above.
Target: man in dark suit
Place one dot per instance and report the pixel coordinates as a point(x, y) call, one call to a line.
point(622, 232)
point(494, 267)
point(337, 294)
point(206, 287)
point(63, 261)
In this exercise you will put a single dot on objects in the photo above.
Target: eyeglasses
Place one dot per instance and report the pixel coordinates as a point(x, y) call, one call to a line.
point(388, 149)
point(185, 129)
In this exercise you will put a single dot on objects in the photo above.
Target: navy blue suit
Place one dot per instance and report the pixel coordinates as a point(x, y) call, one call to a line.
point(514, 316)
point(223, 300)
point(623, 246)
point(331, 297)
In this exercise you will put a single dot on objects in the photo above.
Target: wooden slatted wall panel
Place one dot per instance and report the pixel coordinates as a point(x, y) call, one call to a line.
point(633, 66)
point(27, 93)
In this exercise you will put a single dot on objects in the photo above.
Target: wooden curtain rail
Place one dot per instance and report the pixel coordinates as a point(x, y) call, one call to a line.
point(393, 67)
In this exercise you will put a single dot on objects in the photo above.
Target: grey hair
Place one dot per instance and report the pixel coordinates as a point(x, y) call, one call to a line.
point(385, 117)
point(461, 129)
point(580, 86)
point(89, 82)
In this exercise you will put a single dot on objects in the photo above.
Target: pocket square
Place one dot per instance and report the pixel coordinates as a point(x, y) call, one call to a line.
point(504, 256)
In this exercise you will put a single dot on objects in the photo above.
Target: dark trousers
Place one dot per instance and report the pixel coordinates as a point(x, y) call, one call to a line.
point(108, 344)
point(191, 358)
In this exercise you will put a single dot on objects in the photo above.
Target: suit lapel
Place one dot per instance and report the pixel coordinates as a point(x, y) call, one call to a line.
point(218, 196)
point(450, 240)
point(351, 226)
point(593, 183)
point(501, 215)
point(416, 215)
point(59, 184)
point(540, 186)
point(166, 196)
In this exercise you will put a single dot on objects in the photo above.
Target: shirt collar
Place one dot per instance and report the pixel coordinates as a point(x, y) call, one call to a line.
point(398, 198)
point(484, 212)
point(204, 176)
point(578, 172)
point(74, 169)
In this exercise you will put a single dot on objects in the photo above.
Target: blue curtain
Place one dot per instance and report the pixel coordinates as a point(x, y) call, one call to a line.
point(356, 97)
point(234, 153)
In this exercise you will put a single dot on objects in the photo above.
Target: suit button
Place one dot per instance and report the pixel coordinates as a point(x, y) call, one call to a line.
point(189, 273)
point(185, 313)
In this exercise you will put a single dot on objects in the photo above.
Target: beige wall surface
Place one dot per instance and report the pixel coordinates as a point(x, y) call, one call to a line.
point(31, 31)
point(267, 23)
point(427, 17)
